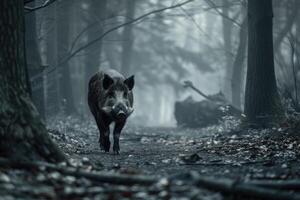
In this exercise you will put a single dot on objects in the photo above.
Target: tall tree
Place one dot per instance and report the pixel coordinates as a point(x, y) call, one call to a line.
point(227, 37)
point(291, 11)
point(63, 39)
point(52, 79)
point(127, 45)
point(262, 103)
point(96, 15)
point(238, 66)
point(34, 60)
point(23, 135)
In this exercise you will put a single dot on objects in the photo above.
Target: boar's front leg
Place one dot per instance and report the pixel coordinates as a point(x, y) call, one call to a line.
point(103, 127)
point(117, 131)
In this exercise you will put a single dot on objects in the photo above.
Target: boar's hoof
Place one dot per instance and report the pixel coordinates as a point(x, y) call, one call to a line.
point(116, 149)
point(106, 144)
point(101, 147)
point(101, 142)
point(116, 152)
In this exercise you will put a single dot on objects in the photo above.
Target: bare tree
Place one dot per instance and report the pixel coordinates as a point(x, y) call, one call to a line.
point(34, 63)
point(63, 39)
point(52, 90)
point(227, 34)
point(238, 66)
point(96, 15)
point(127, 45)
point(291, 10)
point(262, 103)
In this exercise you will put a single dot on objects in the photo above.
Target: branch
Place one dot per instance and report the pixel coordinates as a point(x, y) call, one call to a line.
point(287, 25)
point(138, 19)
point(214, 6)
point(114, 29)
point(43, 5)
point(80, 34)
point(191, 85)
point(28, 1)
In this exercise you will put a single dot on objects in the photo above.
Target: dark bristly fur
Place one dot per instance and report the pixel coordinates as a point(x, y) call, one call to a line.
point(103, 87)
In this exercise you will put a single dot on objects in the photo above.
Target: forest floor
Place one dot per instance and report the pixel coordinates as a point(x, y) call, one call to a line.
point(175, 157)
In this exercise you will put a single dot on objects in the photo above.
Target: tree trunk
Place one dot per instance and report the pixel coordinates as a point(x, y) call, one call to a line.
point(262, 104)
point(127, 45)
point(52, 89)
point(23, 135)
point(238, 66)
point(291, 15)
point(96, 15)
point(63, 33)
point(227, 33)
point(34, 62)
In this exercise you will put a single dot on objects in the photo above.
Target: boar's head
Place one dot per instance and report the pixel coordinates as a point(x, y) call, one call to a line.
point(118, 97)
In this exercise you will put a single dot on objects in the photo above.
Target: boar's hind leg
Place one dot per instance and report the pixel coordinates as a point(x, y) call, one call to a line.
point(117, 131)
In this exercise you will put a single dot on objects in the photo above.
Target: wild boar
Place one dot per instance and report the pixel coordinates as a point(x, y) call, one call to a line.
point(110, 100)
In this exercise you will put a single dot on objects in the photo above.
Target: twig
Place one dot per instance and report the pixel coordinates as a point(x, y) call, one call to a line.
point(80, 34)
point(119, 26)
point(72, 54)
point(190, 84)
point(214, 6)
point(28, 1)
point(43, 5)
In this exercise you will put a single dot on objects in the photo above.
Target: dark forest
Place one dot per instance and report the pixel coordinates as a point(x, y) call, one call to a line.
point(150, 99)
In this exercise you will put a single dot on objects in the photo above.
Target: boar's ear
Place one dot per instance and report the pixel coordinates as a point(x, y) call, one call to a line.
point(129, 82)
point(107, 81)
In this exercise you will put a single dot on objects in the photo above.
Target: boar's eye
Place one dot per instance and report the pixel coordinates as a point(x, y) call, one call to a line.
point(125, 94)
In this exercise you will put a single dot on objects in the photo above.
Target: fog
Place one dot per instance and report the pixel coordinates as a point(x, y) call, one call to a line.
point(197, 41)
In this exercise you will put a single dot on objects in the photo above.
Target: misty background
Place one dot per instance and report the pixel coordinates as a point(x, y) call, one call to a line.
point(204, 41)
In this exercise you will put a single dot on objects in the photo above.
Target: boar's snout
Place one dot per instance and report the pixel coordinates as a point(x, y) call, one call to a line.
point(121, 115)
point(120, 111)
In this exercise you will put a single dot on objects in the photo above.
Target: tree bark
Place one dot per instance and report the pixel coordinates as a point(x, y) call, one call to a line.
point(262, 103)
point(33, 61)
point(23, 135)
point(127, 45)
point(63, 33)
point(238, 66)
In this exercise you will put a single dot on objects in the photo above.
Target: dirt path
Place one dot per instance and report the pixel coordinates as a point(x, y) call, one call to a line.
point(216, 152)
point(167, 151)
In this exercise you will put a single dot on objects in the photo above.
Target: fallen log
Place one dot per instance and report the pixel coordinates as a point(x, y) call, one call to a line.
point(282, 185)
point(254, 189)
point(243, 188)
point(210, 111)
point(119, 179)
